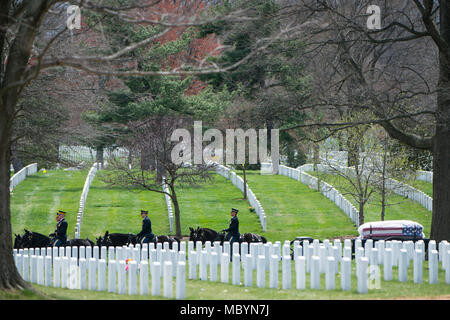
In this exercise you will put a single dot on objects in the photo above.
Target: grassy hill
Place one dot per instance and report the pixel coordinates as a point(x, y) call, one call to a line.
point(35, 201)
point(293, 209)
point(423, 186)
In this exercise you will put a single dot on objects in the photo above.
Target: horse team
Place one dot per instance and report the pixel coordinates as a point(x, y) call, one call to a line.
point(37, 240)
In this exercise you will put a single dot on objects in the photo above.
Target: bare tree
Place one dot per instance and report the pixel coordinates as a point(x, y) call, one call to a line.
point(359, 181)
point(154, 136)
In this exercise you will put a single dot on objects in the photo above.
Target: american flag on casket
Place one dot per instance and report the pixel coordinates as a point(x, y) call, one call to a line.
point(404, 229)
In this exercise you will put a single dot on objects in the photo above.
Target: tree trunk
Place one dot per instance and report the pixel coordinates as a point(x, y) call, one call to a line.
point(383, 203)
point(352, 151)
point(130, 158)
point(361, 212)
point(99, 155)
point(383, 181)
point(316, 156)
point(440, 223)
point(145, 161)
point(160, 171)
point(9, 276)
point(245, 181)
point(177, 211)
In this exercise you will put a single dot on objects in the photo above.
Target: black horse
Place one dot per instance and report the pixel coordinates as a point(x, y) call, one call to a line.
point(35, 240)
point(204, 234)
point(169, 239)
point(116, 239)
point(79, 243)
point(253, 237)
point(18, 241)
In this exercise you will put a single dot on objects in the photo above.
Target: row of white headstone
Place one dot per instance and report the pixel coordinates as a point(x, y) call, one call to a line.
point(316, 259)
point(238, 182)
point(329, 258)
point(87, 184)
point(82, 153)
point(21, 175)
point(326, 189)
point(84, 269)
point(424, 176)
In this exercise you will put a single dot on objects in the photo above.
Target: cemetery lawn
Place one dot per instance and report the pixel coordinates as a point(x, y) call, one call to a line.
point(201, 290)
point(293, 209)
point(117, 209)
point(401, 208)
point(423, 186)
point(208, 204)
point(35, 201)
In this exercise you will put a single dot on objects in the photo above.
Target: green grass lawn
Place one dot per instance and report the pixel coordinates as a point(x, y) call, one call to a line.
point(423, 186)
point(35, 201)
point(402, 209)
point(118, 209)
point(201, 290)
point(293, 209)
point(209, 204)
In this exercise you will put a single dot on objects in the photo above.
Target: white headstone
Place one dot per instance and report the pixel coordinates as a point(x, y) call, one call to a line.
point(102, 273)
point(273, 272)
point(143, 277)
point(362, 274)
point(286, 272)
point(203, 265)
point(167, 284)
point(213, 266)
point(224, 268)
point(64, 272)
point(417, 266)
point(403, 265)
point(387, 267)
point(260, 272)
point(83, 276)
point(40, 270)
point(248, 270)
point(315, 273)
point(48, 270)
point(329, 274)
point(193, 265)
point(236, 269)
point(121, 278)
point(300, 270)
point(156, 279)
point(433, 266)
point(112, 271)
point(181, 281)
point(92, 282)
point(132, 277)
point(346, 268)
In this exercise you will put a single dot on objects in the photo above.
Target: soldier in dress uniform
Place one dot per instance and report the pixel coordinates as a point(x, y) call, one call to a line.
point(146, 235)
point(233, 234)
point(60, 234)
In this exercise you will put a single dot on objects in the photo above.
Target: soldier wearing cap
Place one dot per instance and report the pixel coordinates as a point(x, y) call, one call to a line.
point(146, 235)
point(233, 234)
point(60, 234)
